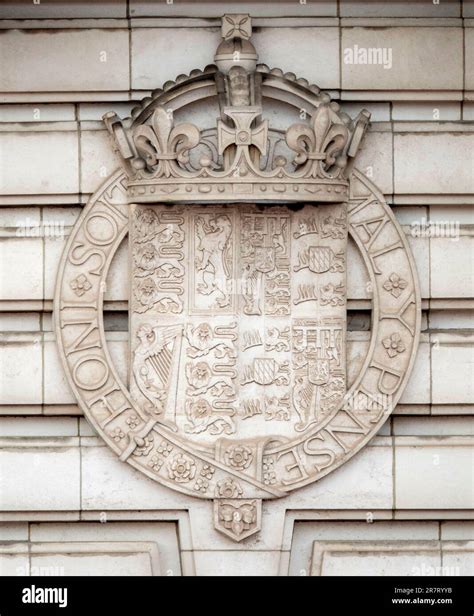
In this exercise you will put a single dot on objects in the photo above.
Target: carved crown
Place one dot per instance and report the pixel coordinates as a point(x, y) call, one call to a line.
point(242, 158)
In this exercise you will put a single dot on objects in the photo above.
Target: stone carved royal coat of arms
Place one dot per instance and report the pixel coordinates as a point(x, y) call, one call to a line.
point(238, 388)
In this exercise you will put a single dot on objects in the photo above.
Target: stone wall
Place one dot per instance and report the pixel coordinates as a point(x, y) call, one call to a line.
point(403, 504)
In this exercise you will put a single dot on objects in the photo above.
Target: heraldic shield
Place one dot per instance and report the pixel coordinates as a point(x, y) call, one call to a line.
point(238, 233)
point(229, 334)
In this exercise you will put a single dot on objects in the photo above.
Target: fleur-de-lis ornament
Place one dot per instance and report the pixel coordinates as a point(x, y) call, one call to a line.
point(321, 143)
point(163, 143)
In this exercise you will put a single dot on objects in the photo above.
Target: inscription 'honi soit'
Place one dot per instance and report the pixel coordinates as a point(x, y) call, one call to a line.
point(238, 318)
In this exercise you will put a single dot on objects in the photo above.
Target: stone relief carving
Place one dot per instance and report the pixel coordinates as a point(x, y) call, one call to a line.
point(155, 364)
point(156, 152)
point(281, 361)
point(213, 243)
point(237, 518)
point(284, 463)
point(157, 256)
point(238, 387)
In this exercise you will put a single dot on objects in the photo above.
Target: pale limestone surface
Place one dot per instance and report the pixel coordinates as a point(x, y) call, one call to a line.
point(24, 9)
point(418, 168)
point(459, 558)
point(58, 172)
point(433, 426)
point(24, 256)
point(310, 46)
point(39, 471)
point(43, 113)
point(196, 51)
point(452, 370)
point(469, 50)
point(403, 8)
point(145, 8)
point(56, 388)
point(21, 369)
point(406, 498)
point(109, 560)
point(418, 390)
point(337, 559)
point(83, 60)
point(97, 159)
point(434, 463)
point(158, 537)
point(199, 46)
point(426, 111)
point(452, 270)
point(376, 159)
point(438, 53)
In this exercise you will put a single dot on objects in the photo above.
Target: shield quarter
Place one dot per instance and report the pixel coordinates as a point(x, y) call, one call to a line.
point(320, 259)
point(264, 370)
point(264, 259)
point(318, 371)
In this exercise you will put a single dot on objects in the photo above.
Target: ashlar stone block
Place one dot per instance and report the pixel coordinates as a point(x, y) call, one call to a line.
point(21, 369)
point(28, 474)
point(452, 265)
point(433, 475)
point(51, 158)
point(433, 163)
point(438, 53)
point(75, 60)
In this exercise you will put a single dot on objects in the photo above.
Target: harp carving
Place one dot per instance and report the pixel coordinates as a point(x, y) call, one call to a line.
point(155, 370)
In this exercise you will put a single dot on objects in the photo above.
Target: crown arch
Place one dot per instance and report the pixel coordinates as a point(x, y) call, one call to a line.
point(321, 140)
